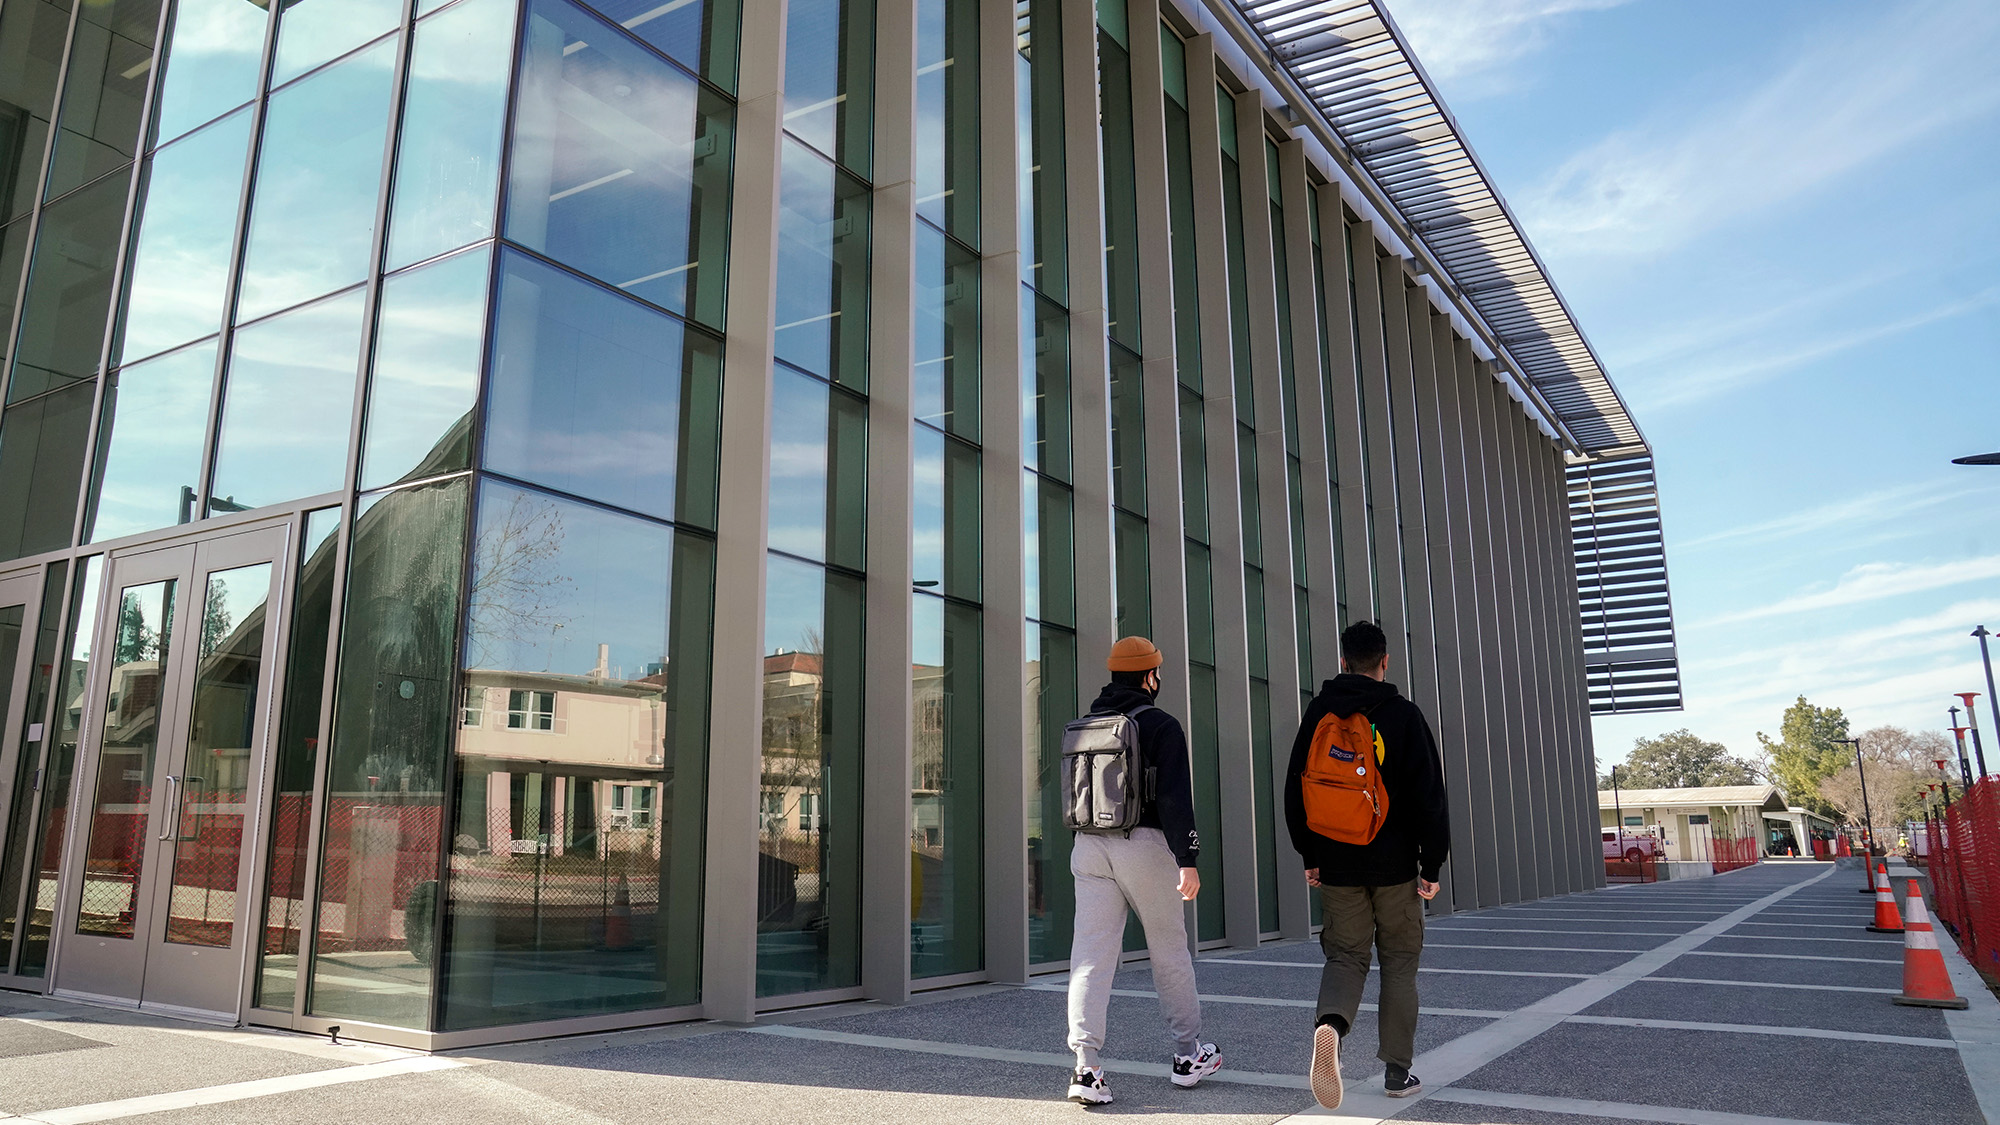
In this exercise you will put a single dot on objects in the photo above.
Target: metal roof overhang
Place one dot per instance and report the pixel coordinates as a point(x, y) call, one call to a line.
point(1349, 60)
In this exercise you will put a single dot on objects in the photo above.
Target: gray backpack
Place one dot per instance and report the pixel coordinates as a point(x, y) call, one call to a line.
point(1105, 781)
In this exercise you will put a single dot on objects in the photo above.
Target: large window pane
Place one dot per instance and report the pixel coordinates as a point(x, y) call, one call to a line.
point(1180, 207)
point(312, 214)
point(1133, 575)
point(819, 463)
point(698, 34)
point(1200, 603)
point(288, 401)
point(947, 124)
point(620, 164)
point(13, 260)
point(576, 861)
point(822, 318)
point(31, 41)
point(69, 290)
point(293, 762)
point(1203, 732)
point(41, 469)
point(830, 78)
point(104, 91)
point(128, 738)
point(392, 726)
point(1044, 201)
point(212, 53)
point(947, 934)
point(596, 394)
point(1045, 407)
point(184, 230)
point(428, 337)
point(1051, 682)
point(1128, 432)
point(46, 861)
point(945, 515)
point(149, 439)
point(1052, 553)
point(945, 386)
point(454, 111)
point(311, 32)
point(1121, 189)
point(1261, 788)
point(809, 793)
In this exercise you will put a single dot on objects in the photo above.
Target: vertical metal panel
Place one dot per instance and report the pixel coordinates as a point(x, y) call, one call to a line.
point(1373, 382)
point(1323, 584)
point(1458, 741)
point(1274, 517)
point(736, 691)
point(1536, 808)
point(888, 693)
point(1503, 686)
point(1559, 773)
point(1225, 514)
point(1478, 866)
point(1003, 597)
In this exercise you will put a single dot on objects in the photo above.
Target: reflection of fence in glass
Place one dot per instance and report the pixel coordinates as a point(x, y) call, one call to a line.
point(378, 852)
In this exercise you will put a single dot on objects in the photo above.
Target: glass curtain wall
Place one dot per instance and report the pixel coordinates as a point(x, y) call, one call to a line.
point(947, 932)
point(1322, 319)
point(1288, 385)
point(808, 867)
point(1048, 502)
point(1361, 413)
point(1121, 272)
point(1193, 452)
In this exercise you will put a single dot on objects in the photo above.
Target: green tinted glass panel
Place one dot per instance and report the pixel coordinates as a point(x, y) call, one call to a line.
point(104, 91)
point(64, 310)
point(947, 932)
point(823, 238)
point(312, 32)
point(830, 78)
point(41, 470)
point(1051, 685)
point(213, 50)
point(149, 443)
point(32, 34)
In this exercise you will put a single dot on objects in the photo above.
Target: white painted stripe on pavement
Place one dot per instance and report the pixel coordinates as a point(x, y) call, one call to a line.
point(1809, 937)
point(1275, 1002)
point(1775, 984)
point(1617, 1111)
point(1421, 969)
point(239, 1091)
point(1524, 930)
point(1532, 948)
point(1006, 1054)
point(1762, 1029)
point(1794, 957)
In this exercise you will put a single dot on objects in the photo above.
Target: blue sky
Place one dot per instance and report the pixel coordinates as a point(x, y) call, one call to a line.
point(1779, 225)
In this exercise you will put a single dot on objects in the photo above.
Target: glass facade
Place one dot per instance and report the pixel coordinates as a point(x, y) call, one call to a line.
point(433, 313)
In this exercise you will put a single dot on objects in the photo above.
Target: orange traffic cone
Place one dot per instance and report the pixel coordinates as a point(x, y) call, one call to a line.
point(1887, 919)
point(1926, 983)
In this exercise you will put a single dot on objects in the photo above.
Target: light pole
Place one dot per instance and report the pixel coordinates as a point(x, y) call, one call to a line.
point(1867, 815)
point(1986, 658)
point(1958, 732)
point(1618, 812)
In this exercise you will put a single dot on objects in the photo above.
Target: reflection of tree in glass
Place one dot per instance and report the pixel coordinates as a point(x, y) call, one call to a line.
point(216, 620)
point(136, 640)
point(517, 591)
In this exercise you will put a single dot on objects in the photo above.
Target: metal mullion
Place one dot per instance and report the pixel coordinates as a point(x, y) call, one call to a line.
point(232, 281)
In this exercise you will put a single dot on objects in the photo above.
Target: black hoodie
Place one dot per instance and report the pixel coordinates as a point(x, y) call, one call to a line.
point(1416, 835)
point(1164, 746)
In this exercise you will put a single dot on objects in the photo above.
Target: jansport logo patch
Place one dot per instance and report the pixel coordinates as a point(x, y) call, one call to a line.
point(1339, 754)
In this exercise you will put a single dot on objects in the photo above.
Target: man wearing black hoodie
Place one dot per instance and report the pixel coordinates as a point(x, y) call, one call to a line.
point(1372, 894)
point(1151, 868)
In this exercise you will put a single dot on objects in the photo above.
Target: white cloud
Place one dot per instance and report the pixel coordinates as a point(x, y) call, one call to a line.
point(1874, 582)
point(1868, 509)
point(1471, 42)
point(1846, 98)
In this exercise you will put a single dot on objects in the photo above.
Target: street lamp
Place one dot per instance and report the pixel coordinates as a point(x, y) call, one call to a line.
point(1978, 459)
point(1618, 811)
point(1867, 816)
point(1986, 658)
point(1972, 724)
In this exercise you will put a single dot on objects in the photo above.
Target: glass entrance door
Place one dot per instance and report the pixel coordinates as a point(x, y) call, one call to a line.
point(157, 905)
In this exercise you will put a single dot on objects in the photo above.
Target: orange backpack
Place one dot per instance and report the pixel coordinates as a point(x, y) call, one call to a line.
point(1344, 796)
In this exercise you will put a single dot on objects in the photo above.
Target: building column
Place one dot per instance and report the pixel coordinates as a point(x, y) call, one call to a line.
point(1313, 374)
point(1492, 531)
point(736, 692)
point(1344, 398)
point(1373, 381)
point(1484, 710)
point(887, 696)
point(1225, 507)
point(1542, 783)
point(1004, 761)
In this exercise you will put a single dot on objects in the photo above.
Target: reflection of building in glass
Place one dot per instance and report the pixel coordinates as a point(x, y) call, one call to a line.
point(619, 669)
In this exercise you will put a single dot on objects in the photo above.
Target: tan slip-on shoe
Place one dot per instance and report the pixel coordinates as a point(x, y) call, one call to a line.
point(1324, 1077)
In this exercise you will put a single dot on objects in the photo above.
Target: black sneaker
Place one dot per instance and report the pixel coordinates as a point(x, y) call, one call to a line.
point(1087, 1087)
point(1190, 1069)
point(1400, 1083)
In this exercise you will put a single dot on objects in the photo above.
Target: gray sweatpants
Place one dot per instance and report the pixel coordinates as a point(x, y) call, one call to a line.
point(1113, 871)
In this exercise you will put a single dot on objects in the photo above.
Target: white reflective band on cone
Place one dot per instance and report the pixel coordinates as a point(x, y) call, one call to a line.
point(1920, 939)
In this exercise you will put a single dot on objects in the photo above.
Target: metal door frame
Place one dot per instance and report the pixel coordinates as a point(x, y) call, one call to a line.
point(13, 735)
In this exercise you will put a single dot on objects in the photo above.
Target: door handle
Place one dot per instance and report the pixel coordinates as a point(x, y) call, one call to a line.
point(171, 825)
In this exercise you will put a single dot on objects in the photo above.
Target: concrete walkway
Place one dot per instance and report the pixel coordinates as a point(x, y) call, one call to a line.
point(1754, 998)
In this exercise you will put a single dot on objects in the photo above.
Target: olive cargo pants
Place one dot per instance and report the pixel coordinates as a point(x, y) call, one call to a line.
point(1390, 920)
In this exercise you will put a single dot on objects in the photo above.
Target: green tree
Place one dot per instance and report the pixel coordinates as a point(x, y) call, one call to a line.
point(1680, 759)
point(1901, 764)
point(1808, 753)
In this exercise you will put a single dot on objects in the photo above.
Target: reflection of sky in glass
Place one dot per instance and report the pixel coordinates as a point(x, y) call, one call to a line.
point(806, 291)
point(155, 419)
point(213, 51)
point(927, 506)
point(311, 32)
point(427, 343)
point(233, 597)
point(182, 264)
point(926, 630)
point(674, 26)
point(812, 72)
point(799, 417)
point(553, 579)
point(448, 159)
point(794, 605)
point(602, 169)
point(586, 390)
point(931, 337)
point(1031, 542)
point(933, 76)
point(288, 399)
point(312, 219)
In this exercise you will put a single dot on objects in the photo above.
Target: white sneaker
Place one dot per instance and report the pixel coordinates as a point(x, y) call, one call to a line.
point(1190, 1069)
point(1324, 1077)
point(1086, 1086)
